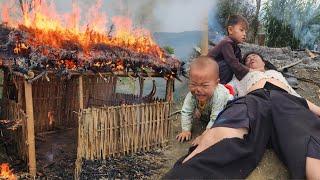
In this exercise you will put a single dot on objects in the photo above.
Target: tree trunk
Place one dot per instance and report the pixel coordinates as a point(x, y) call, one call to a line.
point(256, 21)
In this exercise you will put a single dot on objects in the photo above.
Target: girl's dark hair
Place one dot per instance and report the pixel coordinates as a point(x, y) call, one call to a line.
point(268, 65)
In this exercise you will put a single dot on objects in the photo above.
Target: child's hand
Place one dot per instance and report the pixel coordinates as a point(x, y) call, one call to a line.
point(184, 135)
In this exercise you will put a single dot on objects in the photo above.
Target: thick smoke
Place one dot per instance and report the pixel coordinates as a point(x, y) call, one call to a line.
point(303, 18)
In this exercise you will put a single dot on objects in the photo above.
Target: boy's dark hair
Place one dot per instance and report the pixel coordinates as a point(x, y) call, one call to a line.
point(236, 19)
point(268, 65)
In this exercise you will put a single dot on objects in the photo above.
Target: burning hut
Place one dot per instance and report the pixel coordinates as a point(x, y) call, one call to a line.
point(58, 78)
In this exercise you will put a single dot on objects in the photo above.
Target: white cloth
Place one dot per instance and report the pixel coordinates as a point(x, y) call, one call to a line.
point(242, 87)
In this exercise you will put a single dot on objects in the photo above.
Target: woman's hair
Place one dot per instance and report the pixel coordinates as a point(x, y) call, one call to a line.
point(268, 65)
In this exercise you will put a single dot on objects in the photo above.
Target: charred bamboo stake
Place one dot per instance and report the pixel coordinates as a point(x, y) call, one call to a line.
point(30, 129)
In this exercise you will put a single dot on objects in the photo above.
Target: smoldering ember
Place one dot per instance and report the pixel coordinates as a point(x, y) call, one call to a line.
point(102, 99)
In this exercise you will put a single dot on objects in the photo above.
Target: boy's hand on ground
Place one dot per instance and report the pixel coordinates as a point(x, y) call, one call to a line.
point(184, 135)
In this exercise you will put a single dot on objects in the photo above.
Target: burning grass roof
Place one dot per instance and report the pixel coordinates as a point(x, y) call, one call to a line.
point(42, 42)
point(21, 53)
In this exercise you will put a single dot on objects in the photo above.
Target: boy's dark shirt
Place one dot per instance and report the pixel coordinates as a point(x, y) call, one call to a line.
point(228, 55)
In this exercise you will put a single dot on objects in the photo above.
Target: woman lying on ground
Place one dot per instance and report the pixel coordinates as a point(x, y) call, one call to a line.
point(269, 113)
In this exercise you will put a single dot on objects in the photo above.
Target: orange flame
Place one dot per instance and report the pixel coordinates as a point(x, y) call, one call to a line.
point(47, 27)
point(5, 172)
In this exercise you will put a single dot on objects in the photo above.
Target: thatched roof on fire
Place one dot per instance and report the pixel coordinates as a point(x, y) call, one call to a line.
point(22, 51)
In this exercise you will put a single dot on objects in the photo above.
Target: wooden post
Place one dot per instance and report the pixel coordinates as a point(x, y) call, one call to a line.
point(169, 90)
point(141, 83)
point(205, 38)
point(78, 162)
point(81, 105)
point(30, 128)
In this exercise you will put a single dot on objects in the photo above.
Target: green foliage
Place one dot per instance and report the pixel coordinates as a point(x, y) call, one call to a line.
point(279, 34)
point(292, 23)
point(169, 49)
point(225, 8)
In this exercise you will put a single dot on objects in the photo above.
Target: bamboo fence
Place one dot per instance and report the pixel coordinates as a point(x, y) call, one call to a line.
point(112, 131)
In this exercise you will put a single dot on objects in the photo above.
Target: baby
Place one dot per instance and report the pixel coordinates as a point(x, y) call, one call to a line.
point(206, 98)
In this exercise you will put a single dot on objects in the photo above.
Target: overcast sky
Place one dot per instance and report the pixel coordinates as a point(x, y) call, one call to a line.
point(157, 15)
